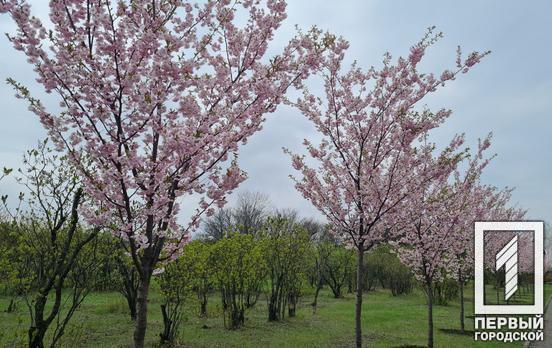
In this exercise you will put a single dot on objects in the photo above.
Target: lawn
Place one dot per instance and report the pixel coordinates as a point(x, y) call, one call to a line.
point(388, 321)
point(523, 296)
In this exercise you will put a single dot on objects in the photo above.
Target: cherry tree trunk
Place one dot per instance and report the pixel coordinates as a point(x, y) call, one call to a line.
point(358, 305)
point(430, 316)
point(131, 301)
point(142, 309)
point(462, 326)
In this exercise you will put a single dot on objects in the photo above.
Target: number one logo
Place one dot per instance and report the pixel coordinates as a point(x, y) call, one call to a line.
point(508, 257)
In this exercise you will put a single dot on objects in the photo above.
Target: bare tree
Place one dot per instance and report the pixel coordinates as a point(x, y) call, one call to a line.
point(216, 227)
point(316, 229)
point(251, 212)
point(248, 217)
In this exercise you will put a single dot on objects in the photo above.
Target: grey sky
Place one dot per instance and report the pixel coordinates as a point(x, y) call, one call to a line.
point(509, 93)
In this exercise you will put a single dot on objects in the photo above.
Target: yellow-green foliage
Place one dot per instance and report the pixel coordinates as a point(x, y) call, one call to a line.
point(239, 269)
point(194, 271)
point(196, 262)
point(175, 281)
point(286, 251)
point(15, 261)
point(339, 266)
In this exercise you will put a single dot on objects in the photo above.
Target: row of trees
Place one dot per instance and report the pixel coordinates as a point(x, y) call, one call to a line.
point(279, 256)
point(52, 262)
point(242, 266)
point(155, 98)
point(378, 180)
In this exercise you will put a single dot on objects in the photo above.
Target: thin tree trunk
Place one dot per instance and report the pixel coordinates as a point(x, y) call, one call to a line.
point(142, 310)
point(292, 306)
point(429, 316)
point(273, 308)
point(129, 290)
point(203, 305)
point(38, 328)
point(36, 337)
point(131, 301)
point(358, 305)
point(315, 301)
point(12, 305)
point(462, 326)
point(166, 325)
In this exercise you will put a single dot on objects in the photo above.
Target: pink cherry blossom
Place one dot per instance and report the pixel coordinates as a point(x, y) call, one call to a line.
point(156, 96)
point(370, 121)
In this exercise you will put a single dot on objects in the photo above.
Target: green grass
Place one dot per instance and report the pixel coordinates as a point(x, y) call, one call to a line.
point(388, 321)
point(523, 296)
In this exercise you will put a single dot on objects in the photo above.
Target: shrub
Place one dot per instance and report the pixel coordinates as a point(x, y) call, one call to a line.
point(175, 286)
point(339, 267)
point(383, 267)
point(444, 291)
point(239, 268)
point(196, 259)
point(285, 252)
point(400, 280)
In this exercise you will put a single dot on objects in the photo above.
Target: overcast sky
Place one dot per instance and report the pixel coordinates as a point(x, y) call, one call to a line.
point(509, 93)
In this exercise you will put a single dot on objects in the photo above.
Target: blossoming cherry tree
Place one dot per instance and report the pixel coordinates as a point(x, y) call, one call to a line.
point(155, 98)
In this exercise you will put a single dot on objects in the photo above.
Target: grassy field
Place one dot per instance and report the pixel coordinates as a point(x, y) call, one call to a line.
point(388, 321)
point(523, 296)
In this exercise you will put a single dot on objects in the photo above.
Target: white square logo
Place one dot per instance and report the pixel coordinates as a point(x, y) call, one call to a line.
point(507, 258)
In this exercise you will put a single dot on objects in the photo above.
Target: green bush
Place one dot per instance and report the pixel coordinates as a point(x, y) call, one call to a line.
point(285, 251)
point(196, 259)
point(339, 267)
point(239, 269)
point(400, 280)
point(444, 291)
point(174, 283)
point(383, 267)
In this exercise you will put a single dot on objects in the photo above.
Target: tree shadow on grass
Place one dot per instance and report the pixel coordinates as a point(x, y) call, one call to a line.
point(367, 339)
point(457, 332)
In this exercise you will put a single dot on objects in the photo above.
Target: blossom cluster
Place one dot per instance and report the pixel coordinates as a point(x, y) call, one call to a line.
point(156, 97)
